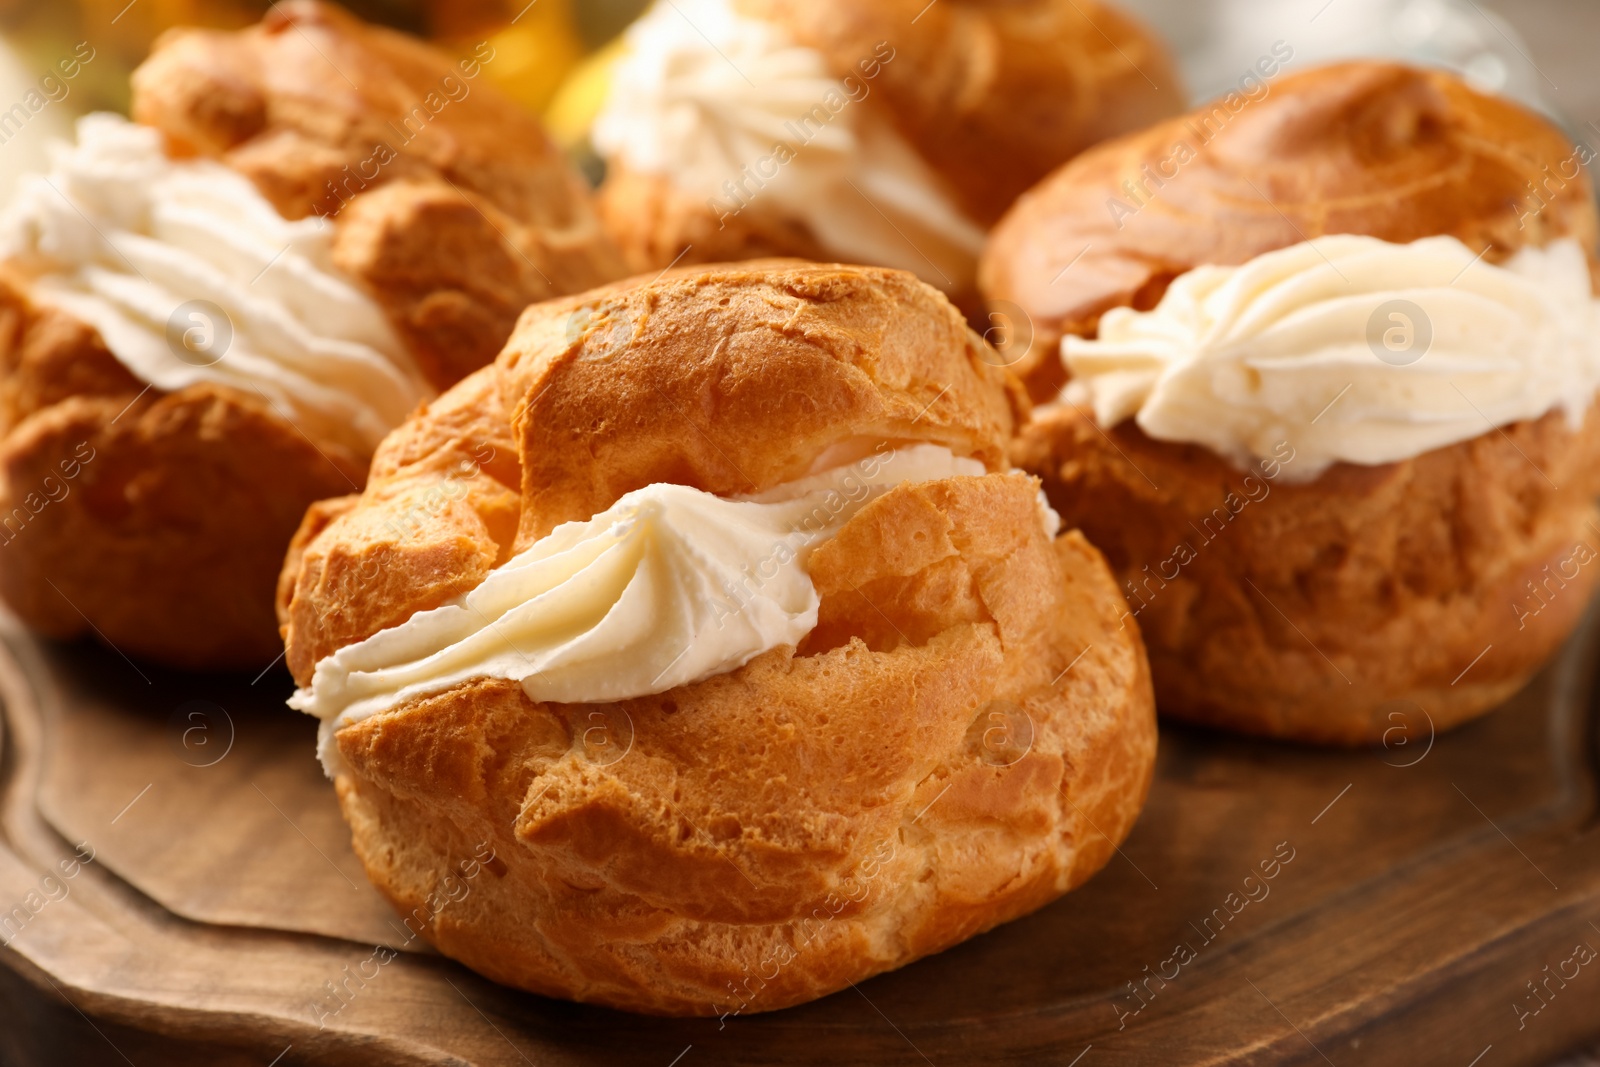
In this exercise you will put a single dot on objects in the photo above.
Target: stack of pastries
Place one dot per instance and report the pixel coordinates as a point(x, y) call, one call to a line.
point(752, 611)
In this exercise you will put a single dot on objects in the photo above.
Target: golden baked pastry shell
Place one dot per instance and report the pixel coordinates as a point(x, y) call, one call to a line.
point(964, 736)
point(1317, 611)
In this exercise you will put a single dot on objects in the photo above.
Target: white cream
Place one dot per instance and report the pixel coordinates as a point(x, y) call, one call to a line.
point(735, 112)
point(122, 236)
point(668, 586)
point(1286, 348)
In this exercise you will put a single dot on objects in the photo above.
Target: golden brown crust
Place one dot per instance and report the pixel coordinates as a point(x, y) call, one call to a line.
point(1310, 611)
point(776, 833)
point(994, 96)
point(654, 224)
point(923, 767)
point(167, 543)
point(1388, 151)
point(440, 509)
point(991, 96)
point(734, 378)
point(451, 202)
point(47, 356)
point(156, 521)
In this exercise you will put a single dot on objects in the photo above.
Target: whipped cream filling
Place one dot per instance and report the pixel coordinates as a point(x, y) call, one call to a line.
point(734, 111)
point(1349, 348)
point(128, 240)
point(668, 586)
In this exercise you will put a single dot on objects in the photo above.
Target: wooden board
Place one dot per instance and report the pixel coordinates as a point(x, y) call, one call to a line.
point(1417, 890)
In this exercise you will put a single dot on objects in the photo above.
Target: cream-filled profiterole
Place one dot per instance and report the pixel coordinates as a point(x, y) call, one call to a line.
point(220, 308)
point(869, 132)
point(1329, 401)
point(790, 624)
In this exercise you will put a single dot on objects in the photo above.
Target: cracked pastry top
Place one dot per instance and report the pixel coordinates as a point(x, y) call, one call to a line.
point(714, 606)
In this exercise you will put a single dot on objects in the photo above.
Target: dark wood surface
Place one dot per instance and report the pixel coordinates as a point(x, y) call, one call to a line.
point(1429, 884)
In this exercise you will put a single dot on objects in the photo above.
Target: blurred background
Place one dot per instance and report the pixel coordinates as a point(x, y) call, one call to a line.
point(550, 55)
point(553, 55)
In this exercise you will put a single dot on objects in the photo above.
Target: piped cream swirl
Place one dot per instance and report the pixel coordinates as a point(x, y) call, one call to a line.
point(127, 239)
point(1350, 348)
point(735, 112)
point(668, 586)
